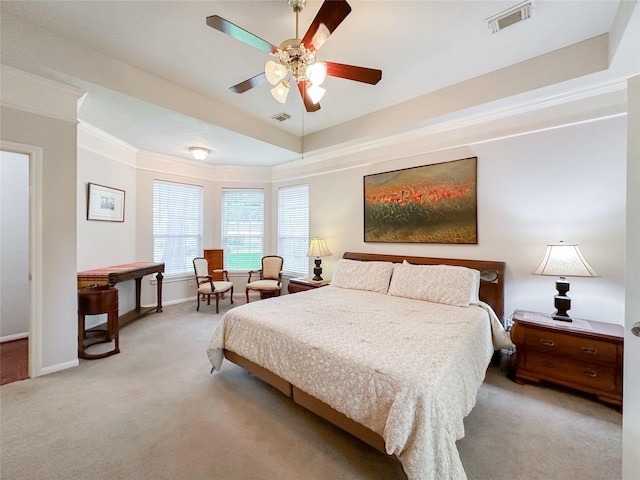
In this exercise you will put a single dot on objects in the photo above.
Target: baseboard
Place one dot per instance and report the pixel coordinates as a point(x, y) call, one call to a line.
point(58, 366)
point(172, 302)
point(15, 336)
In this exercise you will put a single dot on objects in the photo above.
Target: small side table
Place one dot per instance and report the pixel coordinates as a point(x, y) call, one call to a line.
point(584, 354)
point(303, 283)
point(95, 300)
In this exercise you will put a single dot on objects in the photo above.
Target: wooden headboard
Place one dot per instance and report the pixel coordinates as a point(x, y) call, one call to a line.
point(491, 273)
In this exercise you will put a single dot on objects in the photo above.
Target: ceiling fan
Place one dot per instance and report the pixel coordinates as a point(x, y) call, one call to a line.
point(296, 58)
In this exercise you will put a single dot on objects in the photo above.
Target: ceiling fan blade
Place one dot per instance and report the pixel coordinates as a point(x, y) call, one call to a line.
point(351, 72)
point(231, 29)
point(249, 84)
point(330, 15)
point(308, 104)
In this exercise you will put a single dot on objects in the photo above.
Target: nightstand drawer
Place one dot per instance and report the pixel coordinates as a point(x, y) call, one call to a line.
point(593, 375)
point(572, 346)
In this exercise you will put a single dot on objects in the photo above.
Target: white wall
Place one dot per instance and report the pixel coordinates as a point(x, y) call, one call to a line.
point(54, 133)
point(560, 184)
point(533, 189)
point(106, 161)
point(14, 245)
point(213, 179)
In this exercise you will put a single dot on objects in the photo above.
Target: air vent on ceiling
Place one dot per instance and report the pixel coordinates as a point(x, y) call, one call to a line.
point(281, 117)
point(512, 15)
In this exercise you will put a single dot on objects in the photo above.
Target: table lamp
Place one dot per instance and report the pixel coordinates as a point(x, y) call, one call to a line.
point(318, 249)
point(564, 260)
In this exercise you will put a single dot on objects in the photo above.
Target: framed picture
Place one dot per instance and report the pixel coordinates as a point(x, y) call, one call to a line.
point(105, 203)
point(429, 204)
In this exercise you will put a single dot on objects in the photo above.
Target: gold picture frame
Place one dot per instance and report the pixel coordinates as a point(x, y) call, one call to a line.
point(429, 204)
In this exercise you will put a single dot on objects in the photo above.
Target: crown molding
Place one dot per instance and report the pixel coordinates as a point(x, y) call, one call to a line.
point(175, 166)
point(586, 103)
point(97, 141)
point(31, 93)
point(102, 135)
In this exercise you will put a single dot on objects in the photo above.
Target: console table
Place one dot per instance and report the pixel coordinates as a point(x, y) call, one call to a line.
point(122, 273)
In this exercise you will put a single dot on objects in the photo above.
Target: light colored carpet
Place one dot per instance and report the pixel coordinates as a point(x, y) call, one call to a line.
point(155, 412)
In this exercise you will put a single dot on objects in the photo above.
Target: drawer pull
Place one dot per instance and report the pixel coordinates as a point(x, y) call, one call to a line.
point(547, 343)
point(587, 372)
point(589, 350)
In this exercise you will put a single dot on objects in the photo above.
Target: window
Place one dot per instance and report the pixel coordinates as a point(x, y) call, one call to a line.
point(293, 229)
point(177, 225)
point(242, 229)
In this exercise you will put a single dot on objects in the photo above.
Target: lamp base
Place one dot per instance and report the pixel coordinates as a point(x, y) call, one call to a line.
point(317, 270)
point(562, 302)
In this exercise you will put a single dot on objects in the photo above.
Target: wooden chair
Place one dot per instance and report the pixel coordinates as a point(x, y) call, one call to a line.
point(207, 286)
point(270, 280)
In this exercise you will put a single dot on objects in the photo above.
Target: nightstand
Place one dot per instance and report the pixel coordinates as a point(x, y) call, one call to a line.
point(301, 284)
point(584, 354)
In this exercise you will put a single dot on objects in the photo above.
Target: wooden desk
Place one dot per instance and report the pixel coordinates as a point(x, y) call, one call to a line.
point(122, 273)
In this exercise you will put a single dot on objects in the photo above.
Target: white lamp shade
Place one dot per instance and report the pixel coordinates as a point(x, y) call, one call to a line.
point(318, 248)
point(316, 92)
point(280, 92)
point(564, 260)
point(274, 72)
point(199, 153)
point(316, 73)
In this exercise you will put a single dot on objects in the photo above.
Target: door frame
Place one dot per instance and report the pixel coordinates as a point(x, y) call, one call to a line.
point(35, 155)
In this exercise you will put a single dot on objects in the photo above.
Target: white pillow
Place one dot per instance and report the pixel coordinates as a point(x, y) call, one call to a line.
point(446, 284)
point(373, 276)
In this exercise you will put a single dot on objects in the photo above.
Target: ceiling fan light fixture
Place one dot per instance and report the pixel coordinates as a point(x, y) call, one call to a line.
point(199, 153)
point(274, 72)
point(296, 57)
point(280, 92)
point(316, 73)
point(316, 92)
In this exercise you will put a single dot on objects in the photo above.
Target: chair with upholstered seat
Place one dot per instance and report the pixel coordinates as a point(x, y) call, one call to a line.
point(270, 280)
point(207, 286)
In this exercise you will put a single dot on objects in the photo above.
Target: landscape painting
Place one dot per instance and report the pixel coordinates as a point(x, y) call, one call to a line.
point(429, 204)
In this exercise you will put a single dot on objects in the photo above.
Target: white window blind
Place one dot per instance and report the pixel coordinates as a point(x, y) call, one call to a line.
point(177, 225)
point(293, 229)
point(242, 229)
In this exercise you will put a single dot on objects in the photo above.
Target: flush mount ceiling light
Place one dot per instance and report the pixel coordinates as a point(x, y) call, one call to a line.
point(199, 153)
point(295, 59)
point(515, 14)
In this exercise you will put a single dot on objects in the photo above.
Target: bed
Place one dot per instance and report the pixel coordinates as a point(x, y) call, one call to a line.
point(393, 351)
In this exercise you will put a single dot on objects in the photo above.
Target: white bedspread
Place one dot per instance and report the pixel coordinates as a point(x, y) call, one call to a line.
point(407, 369)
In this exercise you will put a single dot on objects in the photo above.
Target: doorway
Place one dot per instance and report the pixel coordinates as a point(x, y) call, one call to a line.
point(14, 266)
